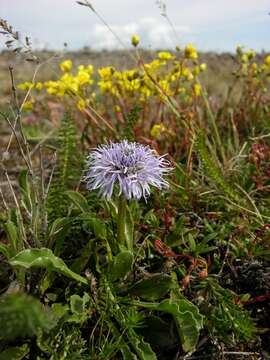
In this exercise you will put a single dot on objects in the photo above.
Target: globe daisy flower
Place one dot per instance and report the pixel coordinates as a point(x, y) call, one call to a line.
point(129, 167)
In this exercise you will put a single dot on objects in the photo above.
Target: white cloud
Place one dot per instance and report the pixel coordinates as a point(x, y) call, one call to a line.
point(153, 32)
point(208, 23)
point(207, 12)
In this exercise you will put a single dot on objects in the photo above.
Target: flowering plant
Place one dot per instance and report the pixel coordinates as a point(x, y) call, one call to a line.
point(130, 166)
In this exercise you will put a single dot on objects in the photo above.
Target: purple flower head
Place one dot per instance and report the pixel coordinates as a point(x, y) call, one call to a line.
point(130, 167)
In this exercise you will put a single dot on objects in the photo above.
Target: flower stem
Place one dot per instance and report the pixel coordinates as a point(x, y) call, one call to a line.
point(121, 222)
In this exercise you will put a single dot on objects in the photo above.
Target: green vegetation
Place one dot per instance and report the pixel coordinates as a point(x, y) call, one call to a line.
point(183, 275)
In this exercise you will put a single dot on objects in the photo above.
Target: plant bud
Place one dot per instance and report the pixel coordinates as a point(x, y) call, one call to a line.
point(135, 40)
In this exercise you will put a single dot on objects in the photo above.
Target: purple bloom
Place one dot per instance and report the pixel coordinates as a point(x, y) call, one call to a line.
point(130, 167)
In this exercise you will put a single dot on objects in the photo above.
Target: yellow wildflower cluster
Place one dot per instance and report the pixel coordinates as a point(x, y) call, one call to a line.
point(28, 105)
point(163, 76)
point(66, 66)
point(248, 64)
point(168, 74)
point(30, 85)
point(253, 71)
point(158, 130)
point(165, 55)
point(190, 52)
point(70, 84)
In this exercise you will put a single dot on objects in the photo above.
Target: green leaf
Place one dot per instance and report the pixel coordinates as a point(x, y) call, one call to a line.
point(59, 310)
point(44, 258)
point(80, 310)
point(80, 263)
point(142, 348)
point(127, 354)
point(99, 228)
point(95, 225)
point(205, 249)
point(152, 288)
point(46, 282)
point(158, 332)
point(151, 218)
point(122, 264)
point(4, 250)
point(189, 323)
point(212, 169)
point(111, 207)
point(12, 234)
point(78, 304)
point(23, 181)
point(67, 170)
point(191, 242)
point(78, 200)
point(57, 226)
point(121, 344)
point(15, 353)
point(186, 316)
point(57, 234)
point(22, 315)
point(25, 189)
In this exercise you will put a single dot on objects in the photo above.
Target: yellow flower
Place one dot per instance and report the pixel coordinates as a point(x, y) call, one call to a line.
point(165, 55)
point(39, 86)
point(52, 87)
point(267, 60)
point(154, 65)
point(254, 66)
point(244, 58)
point(173, 77)
point(244, 69)
point(251, 54)
point(26, 85)
point(135, 39)
point(181, 90)
point(131, 85)
point(115, 92)
point(190, 52)
point(66, 65)
point(117, 108)
point(146, 92)
point(30, 85)
point(264, 68)
point(186, 72)
point(196, 70)
point(105, 86)
point(81, 104)
point(90, 69)
point(83, 77)
point(106, 72)
point(197, 89)
point(81, 67)
point(28, 105)
point(203, 67)
point(157, 130)
point(164, 88)
point(68, 84)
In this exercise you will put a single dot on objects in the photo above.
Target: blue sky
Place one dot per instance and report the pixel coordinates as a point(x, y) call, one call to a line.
point(218, 25)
